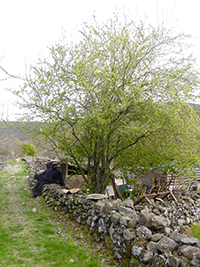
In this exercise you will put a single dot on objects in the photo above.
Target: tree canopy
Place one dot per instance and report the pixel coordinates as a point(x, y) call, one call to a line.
point(117, 99)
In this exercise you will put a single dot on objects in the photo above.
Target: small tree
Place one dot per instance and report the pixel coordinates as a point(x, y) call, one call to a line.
point(117, 99)
point(29, 149)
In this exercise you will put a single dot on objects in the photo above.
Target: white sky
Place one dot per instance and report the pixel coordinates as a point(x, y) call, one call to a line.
point(27, 27)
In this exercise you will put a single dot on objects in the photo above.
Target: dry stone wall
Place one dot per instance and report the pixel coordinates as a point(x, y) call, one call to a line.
point(153, 234)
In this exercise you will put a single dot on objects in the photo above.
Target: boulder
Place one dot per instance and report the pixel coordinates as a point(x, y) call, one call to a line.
point(129, 235)
point(146, 255)
point(145, 218)
point(152, 246)
point(96, 197)
point(124, 211)
point(133, 221)
point(115, 217)
point(144, 232)
point(123, 220)
point(173, 261)
point(136, 250)
point(176, 236)
point(166, 244)
point(159, 222)
point(189, 240)
point(156, 237)
point(189, 251)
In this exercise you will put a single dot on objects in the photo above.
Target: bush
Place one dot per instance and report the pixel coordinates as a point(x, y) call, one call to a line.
point(29, 149)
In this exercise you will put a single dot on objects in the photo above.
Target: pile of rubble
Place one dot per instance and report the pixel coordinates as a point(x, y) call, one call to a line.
point(151, 234)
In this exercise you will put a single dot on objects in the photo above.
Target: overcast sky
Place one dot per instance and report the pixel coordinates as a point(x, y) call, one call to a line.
point(27, 27)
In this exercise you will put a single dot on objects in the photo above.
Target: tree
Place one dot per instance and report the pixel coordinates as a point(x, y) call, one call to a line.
point(116, 99)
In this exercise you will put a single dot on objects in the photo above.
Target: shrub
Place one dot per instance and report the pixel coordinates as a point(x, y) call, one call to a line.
point(29, 149)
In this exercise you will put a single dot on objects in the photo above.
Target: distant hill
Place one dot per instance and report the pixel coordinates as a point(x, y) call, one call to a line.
point(18, 133)
point(14, 132)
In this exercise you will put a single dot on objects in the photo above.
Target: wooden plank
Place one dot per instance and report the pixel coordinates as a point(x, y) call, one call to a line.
point(151, 196)
point(117, 194)
point(147, 200)
point(173, 197)
point(158, 196)
point(138, 200)
point(159, 199)
point(163, 194)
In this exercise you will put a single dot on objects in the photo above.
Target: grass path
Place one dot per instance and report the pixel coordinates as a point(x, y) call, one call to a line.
point(29, 233)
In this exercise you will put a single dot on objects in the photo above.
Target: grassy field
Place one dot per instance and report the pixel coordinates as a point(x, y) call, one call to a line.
point(30, 234)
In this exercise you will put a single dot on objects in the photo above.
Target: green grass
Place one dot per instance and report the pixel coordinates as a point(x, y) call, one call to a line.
point(196, 231)
point(29, 238)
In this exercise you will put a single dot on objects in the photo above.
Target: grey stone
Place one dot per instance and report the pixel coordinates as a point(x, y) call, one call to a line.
point(189, 251)
point(173, 261)
point(124, 211)
point(89, 219)
point(136, 250)
point(159, 261)
point(159, 222)
point(145, 218)
point(181, 222)
point(91, 212)
point(166, 244)
point(117, 256)
point(157, 212)
point(113, 235)
point(99, 205)
point(156, 237)
point(144, 232)
point(128, 203)
point(123, 220)
point(94, 221)
point(115, 217)
point(152, 246)
point(195, 262)
point(96, 196)
point(176, 236)
point(129, 235)
point(116, 204)
point(101, 226)
point(132, 222)
point(189, 200)
point(119, 230)
point(189, 240)
point(146, 255)
point(167, 231)
point(107, 208)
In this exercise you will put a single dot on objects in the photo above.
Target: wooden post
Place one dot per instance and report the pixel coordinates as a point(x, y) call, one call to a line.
point(115, 189)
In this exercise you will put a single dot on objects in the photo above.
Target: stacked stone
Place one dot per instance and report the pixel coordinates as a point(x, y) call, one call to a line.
point(150, 234)
point(35, 166)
